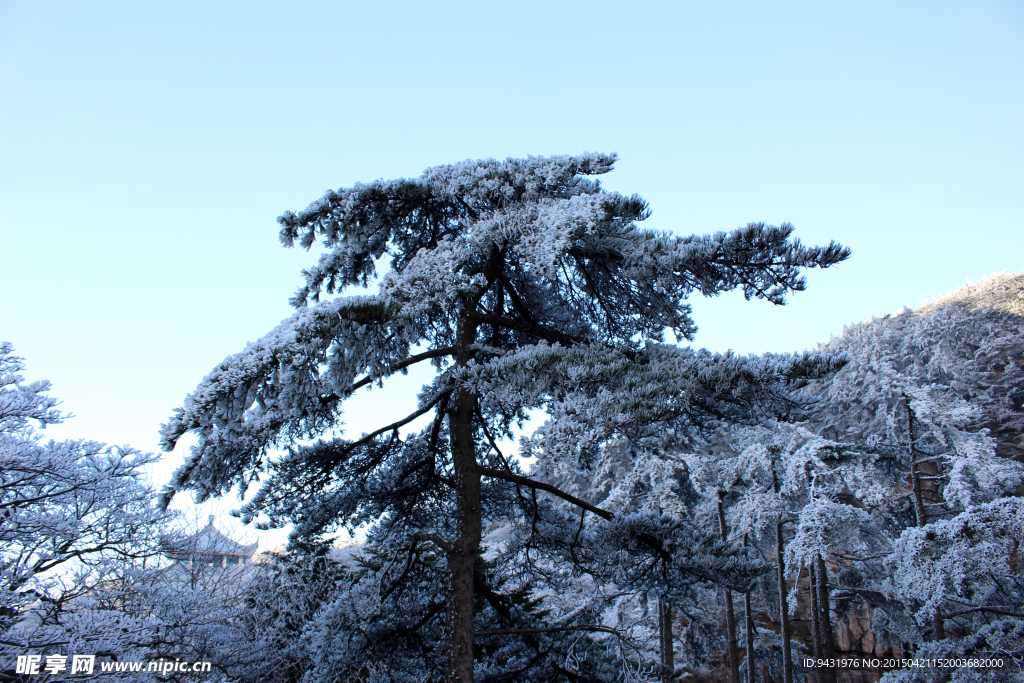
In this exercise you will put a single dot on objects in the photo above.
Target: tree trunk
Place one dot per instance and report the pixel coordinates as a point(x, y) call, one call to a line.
point(819, 648)
point(665, 632)
point(915, 477)
point(462, 556)
point(938, 624)
point(787, 655)
point(730, 615)
point(463, 552)
point(749, 618)
point(828, 651)
point(750, 637)
point(734, 650)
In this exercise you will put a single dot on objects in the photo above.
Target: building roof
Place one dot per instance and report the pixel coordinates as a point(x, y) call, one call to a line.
point(209, 541)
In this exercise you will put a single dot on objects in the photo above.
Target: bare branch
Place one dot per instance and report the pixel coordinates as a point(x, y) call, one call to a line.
point(389, 428)
point(553, 629)
point(516, 479)
point(411, 360)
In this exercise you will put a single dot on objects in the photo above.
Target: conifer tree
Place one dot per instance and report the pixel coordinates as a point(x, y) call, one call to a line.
point(526, 285)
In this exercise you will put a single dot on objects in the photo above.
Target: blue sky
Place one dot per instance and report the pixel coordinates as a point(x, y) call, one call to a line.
point(147, 148)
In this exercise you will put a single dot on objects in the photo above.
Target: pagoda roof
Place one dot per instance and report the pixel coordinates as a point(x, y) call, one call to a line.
point(210, 541)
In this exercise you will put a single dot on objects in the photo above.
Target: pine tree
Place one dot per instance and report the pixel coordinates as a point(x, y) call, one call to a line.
point(526, 285)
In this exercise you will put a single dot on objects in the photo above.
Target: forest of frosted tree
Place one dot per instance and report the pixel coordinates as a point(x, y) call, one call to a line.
point(848, 514)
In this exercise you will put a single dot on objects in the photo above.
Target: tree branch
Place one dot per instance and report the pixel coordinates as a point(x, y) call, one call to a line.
point(431, 536)
point(516, 479)
point(434, 609)
point(410, 561)
point(989, 610)
point(411, 360)
point(652, 542)
point(373, 435)
point(517, 302)
point(553, 629)
point(523, 326)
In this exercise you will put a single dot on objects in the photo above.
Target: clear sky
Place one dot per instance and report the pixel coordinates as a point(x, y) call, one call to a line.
point(147, 148)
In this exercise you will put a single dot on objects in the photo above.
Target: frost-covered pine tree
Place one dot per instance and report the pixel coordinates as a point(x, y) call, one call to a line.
point(526, 285)
point(77, 520)
point(867, 539)
point(955, 569)
point(757, 481)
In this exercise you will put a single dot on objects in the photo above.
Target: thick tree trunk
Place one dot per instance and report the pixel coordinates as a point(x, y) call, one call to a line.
point(730, 615)
point(462, 556)
point(466, 545)
point(665, 633)
point(787, 655)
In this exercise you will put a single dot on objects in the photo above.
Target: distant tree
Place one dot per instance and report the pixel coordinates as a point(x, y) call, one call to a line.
point(937, 394)
point(76, 519)
point(917, 521)
point(755, 482)
point(526, 285)
point(971, 342)
point(899, 504)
